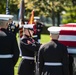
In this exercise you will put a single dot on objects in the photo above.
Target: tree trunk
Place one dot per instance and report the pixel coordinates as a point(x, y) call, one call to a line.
point(58, 18)
point(53, 17)
point(53, 14)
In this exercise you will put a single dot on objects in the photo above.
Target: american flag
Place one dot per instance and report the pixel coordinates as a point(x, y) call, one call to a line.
point(69, 25)
point(67, 37)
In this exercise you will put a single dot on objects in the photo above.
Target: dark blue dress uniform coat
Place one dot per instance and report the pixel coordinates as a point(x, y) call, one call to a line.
point(27, 65)
point(39, 29)
point(50, 55)
point(13, 29)
point(9, 52)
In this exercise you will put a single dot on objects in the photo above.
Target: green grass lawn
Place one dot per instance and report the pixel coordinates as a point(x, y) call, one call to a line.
point(44, 39)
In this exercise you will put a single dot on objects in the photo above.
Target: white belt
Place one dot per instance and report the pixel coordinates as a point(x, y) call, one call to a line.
point(35, 36)
point(6, 56)
point(29, 58)
point(52, 64)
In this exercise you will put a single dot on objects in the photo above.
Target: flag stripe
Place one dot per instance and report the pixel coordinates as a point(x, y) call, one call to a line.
point(69, 26)
point(67, 38)
point(71, 50)
point(21, 32)
point(68, 32)
point(68, 43)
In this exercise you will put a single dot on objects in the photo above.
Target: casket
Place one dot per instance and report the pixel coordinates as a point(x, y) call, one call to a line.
point(67, 37)
point(68, 25)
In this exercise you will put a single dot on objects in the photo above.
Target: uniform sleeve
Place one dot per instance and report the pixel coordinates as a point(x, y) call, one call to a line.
point(32, 47)
point(65, 62)
point(15, 51)
point(40, 59)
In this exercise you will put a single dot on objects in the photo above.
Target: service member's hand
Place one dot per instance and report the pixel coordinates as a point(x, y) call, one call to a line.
point(29, 42)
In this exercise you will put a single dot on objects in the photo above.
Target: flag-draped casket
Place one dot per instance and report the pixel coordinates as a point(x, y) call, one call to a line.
point(67, 37)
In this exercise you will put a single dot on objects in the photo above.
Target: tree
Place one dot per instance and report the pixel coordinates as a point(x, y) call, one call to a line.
point(70, 15)
point(2, 6)
point(12, 4)
point(74, 2)
point(41, 7)
point(52, 8)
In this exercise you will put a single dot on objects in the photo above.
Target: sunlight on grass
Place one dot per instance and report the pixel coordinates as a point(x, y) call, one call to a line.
point(16, 66)
point(45, 38)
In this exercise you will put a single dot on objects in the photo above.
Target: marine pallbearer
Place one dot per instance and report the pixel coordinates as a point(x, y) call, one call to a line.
point(53, 56)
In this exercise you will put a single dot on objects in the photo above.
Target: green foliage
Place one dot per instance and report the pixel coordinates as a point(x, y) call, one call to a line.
point(47, 8)
point(13, 10)
point(41, 7)
point(2, 6)
point(12, 5)
point(70, 15)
